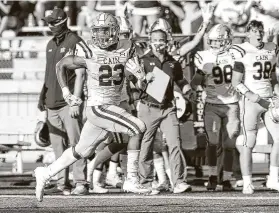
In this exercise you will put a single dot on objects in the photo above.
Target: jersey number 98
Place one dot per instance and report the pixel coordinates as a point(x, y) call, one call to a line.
point(222, 76)
point(111, 76)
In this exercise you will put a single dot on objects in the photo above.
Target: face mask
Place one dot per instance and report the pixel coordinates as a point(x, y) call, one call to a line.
point(59, 29)
point(159, 46)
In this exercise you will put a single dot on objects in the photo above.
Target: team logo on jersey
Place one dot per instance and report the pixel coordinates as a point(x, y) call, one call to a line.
point(62, 50)
point(171, 65)
point(50, 50)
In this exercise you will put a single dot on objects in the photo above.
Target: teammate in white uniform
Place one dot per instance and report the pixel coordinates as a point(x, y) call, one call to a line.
point(254, 77)
point(105, 63)
point(221, 111)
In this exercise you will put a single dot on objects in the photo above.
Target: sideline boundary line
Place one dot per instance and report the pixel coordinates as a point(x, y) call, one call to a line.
point(146, 197)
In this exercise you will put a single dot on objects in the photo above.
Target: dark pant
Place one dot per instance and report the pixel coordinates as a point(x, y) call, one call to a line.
point(167, 121)
point(65, 131)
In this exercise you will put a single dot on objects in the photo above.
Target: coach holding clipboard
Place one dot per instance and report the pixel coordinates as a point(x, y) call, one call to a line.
point(157, 109)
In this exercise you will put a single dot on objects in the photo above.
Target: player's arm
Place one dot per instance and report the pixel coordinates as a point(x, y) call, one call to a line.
point(182, 82)
point(71, 63)
point(197, 79)
point(207, 13)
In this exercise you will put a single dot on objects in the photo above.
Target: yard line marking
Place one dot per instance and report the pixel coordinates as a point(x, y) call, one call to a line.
point(146, 196)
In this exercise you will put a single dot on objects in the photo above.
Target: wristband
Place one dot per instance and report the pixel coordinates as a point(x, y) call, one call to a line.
point(65, 91)
point(242, 88)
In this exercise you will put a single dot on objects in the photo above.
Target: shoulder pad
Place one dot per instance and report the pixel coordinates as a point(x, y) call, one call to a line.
point(237, 50)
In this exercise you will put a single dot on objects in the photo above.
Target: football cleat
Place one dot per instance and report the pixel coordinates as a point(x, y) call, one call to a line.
point(133, 185)
point(99, 189)
point(227, 186)
point(272, 184)
point(113, 180)
point(238, 183)
point(181, 187)
point(248, 189)
point(41, 179)
point(212, 183)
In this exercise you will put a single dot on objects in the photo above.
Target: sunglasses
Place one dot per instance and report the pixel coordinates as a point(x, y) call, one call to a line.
point(56, 23)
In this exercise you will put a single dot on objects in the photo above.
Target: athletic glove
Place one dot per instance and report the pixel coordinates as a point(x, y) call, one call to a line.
point(133, 66)
point(71, 99)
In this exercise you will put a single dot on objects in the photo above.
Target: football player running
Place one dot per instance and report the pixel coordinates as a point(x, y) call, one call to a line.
point(221, 110)
point(105, 63)
point(254, 77)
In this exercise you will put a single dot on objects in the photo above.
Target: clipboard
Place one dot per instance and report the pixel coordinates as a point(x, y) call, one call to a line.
point(157, 88)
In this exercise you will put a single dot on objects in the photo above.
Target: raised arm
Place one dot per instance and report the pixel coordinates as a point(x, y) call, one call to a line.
point(207, 13)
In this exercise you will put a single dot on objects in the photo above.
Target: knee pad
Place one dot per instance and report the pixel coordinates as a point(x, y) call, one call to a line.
point(75, 154)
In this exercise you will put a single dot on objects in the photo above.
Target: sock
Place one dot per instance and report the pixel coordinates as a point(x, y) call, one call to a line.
point(64, 161)
point(227, 175)
point(132, 163)
point(247, 179)
point(107, 153)
point(96, 176)
point(90, 169)
point(273, 173)
point(168, 171)
point(212, 170)
point(112, 168)
point(160, 169)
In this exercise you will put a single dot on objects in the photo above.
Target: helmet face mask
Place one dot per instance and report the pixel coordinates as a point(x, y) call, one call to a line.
point(219, 38)
point(105, 30)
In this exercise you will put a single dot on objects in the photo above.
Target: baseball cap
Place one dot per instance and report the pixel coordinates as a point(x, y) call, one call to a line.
point(56, 15)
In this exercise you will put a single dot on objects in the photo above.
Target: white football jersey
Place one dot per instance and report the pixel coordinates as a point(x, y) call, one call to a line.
point(105, 73)
point(258, 65)
point(218, 75)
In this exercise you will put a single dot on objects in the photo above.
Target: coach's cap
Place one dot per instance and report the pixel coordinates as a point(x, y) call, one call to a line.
point(56, 15)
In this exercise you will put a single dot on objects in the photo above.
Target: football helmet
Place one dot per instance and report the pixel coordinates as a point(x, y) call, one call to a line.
point(219, 38)
point(105, 30)
point(161, 25)
point(41, 134)
point(125, 26)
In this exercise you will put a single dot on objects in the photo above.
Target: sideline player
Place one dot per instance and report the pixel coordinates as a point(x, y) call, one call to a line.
point(221, 110)
point(254, 77)
point(105, 73)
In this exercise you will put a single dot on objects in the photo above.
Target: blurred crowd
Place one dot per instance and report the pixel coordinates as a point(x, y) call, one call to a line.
point(184, 15)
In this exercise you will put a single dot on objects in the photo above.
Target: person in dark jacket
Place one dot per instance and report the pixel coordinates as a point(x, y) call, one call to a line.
point(64, 122)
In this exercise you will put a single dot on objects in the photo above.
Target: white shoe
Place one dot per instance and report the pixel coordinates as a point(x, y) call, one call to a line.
point(41, 180)
point(133, 185)
point(163, 186)
point(238, 183)
point(182, 187)
point(248, 189)
point(97, 188)
point(113, 180)
point(272, 184)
